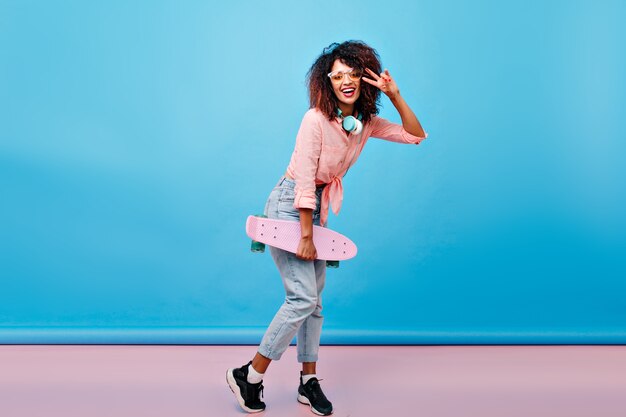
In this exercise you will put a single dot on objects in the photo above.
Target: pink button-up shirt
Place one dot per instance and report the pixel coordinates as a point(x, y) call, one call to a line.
point(324, 152)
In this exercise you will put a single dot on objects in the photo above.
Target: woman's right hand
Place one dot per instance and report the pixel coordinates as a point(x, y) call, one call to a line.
point(306, 249)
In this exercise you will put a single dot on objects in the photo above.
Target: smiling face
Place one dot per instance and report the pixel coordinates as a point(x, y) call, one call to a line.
point(346, 89)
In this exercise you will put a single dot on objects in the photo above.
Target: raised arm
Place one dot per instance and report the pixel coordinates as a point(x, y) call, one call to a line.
point(387, 85)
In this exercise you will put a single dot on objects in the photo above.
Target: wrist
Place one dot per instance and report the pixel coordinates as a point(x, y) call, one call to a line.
point(394, 96)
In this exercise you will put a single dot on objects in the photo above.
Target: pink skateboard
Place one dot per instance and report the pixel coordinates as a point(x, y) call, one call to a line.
point(285, 234)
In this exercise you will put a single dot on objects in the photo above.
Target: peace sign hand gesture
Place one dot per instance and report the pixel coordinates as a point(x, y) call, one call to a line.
point(384, 82)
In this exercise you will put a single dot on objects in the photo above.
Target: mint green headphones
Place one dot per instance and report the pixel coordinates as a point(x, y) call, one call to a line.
point(351, 124)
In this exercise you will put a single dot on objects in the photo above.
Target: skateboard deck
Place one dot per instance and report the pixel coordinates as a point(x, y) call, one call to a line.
point(285, 234)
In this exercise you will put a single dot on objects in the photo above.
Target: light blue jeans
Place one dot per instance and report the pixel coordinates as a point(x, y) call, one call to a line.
point(301, 312)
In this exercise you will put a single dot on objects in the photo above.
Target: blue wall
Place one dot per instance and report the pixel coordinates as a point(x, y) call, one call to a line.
point(135, 138)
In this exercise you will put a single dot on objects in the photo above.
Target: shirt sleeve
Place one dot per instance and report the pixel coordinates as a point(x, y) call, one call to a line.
point(384, 129)
point(307, 155)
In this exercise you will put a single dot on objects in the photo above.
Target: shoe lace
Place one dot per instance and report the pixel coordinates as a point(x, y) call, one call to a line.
point(258, 392)
point(316, 389)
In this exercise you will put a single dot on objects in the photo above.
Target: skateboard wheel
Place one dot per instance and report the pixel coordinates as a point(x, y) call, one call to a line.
point(332, 264)
point(257, 247)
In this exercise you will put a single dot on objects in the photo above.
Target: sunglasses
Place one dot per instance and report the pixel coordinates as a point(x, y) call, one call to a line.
point(338, 76)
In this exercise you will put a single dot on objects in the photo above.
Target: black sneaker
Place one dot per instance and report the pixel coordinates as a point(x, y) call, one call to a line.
point(312, 395)
point(248, 395)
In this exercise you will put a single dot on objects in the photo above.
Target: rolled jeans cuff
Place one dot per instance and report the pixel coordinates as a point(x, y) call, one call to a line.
point(307, 358)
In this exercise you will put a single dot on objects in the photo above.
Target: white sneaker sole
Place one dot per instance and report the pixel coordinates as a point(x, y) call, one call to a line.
point(304, 400)
point(232, 384)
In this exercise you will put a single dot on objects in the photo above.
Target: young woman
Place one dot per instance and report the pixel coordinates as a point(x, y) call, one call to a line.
point(344, 83)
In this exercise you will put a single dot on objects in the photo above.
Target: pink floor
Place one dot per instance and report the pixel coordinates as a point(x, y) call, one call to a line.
point(459, 381)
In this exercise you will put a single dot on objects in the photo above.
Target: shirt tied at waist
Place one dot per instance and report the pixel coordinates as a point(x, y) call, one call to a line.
point(332, 194)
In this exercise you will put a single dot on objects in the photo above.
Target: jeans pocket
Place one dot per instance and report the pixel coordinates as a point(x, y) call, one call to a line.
point(287, 193)
point(286, 208)
point(285, 204)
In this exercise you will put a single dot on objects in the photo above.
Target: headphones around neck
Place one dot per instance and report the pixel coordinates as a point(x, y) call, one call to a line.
point(351, 124)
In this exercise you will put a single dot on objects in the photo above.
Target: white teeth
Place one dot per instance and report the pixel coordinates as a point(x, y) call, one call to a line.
point(348, 90)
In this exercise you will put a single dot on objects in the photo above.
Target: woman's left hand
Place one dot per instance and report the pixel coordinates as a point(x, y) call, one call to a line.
point(384, 82)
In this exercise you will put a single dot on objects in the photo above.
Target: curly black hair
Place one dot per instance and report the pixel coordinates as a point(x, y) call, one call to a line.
point(356, 54)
